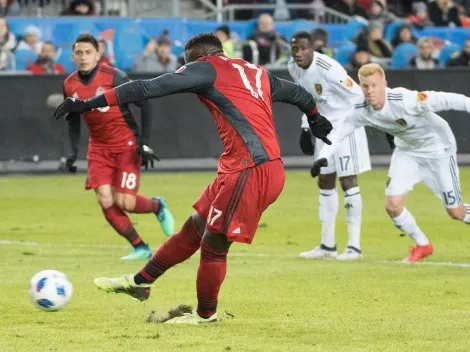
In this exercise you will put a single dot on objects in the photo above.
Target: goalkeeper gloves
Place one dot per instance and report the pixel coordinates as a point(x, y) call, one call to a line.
point(320, 126)
point(148, 156)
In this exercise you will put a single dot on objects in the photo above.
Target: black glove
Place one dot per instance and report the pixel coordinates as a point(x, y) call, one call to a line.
point(69, 163)
point(306, 143)
point(317, 165)
point(147, 156)
point(320, 126)
point(390, 140)
point(69, 107)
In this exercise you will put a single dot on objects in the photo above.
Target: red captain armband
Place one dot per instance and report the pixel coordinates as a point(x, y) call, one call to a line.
point(315, 110)
point(111, 97)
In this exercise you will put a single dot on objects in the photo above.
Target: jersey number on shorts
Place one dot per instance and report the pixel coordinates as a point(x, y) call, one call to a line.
point(344, 161)
point(213, 217)
point(129, 180)
point(258, 93)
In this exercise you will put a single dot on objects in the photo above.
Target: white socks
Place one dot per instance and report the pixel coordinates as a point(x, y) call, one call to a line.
point(328, 210)
point(353, 206)
point(329, 204)
point(466, 219)
point(407, 223)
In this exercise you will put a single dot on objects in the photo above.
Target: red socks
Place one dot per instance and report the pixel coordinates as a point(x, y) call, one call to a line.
point(211, 274)
point(175, 250)
point(122, 224)
point(145, 205)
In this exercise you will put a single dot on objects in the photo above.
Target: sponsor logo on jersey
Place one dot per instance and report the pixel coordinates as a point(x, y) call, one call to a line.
point(318, 88)
point(422, 96)
point(401, 122)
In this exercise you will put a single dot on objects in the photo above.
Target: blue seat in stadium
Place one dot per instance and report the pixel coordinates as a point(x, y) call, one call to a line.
point(392, 29)
point(345, 52)
point(403, 54)
point(353, 28)
point(447, 52)
point(23, 58)
point(65, 58)
point(129, 43)
point(66, 33)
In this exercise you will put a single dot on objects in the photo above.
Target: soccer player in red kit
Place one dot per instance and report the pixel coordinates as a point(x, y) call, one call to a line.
point(116, 151)
point(250, 173)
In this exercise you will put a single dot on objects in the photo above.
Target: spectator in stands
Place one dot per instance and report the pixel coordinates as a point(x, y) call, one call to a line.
point(320, 42)
point(461, 58)
point(157, 57)
point(9, 8)
point(270, 44)
point(360, 58)
point(425, 60)
point(7, 44)
point(420, 16)
point(45, 63)
point(373, 41)
point(443, 13)
point(378, 12)
point(348, 7)
point(404, 35)
point(223, 33)
point(80, 8)
point(31, 40)
point(104, 59)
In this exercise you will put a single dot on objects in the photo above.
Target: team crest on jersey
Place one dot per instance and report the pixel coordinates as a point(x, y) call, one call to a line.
point(401, 122)
point(318, 88)
point(422, 96)
point(348, 82)
point(100, 91)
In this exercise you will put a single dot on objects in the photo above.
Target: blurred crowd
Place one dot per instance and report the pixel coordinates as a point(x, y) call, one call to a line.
point(265, 46)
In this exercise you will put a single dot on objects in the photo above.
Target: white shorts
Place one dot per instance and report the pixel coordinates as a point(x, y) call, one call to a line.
point(352, 157)
point(441, 175)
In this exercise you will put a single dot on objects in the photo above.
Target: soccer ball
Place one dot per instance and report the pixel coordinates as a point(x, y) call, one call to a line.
point(50, 290)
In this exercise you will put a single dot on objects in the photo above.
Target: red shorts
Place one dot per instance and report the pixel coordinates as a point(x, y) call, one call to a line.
point(233, 203)
point(118, 169)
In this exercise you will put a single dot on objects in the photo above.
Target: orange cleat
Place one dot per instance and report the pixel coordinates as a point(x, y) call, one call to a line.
point(419, 252)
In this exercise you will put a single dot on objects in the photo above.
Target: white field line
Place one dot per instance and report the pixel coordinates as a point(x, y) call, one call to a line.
point(235, 254)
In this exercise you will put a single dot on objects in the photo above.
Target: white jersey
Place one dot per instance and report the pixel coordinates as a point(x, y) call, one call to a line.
point(334, 91)
point(409, 116)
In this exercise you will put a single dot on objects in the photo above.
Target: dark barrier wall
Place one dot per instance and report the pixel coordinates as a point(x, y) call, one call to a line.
point(182, 126)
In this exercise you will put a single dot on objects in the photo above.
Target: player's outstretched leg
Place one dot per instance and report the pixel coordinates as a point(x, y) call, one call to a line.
point(175, 250)
point(142, 205)
point(328, 210)
point(405, 222)
point(353, 206)
point(210, 276)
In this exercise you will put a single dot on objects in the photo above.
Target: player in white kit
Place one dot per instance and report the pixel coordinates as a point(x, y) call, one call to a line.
point(335, 93)
point(425, 148)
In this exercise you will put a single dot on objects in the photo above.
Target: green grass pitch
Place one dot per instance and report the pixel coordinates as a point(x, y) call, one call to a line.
point(279, 302)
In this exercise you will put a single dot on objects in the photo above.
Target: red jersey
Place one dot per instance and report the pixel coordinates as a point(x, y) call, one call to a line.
point(249, 137)
point(38, 69)
point(110, 127)
point(239, 96)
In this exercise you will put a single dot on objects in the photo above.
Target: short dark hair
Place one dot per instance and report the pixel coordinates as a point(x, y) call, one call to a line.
point(225, 29)
point(303, 35)
point(86, 38)
point(50, 43)
point(320, 34)
point(205, 41)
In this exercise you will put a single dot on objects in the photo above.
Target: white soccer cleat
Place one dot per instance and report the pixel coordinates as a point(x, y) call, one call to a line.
point(319, 253)
point(349, 254)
